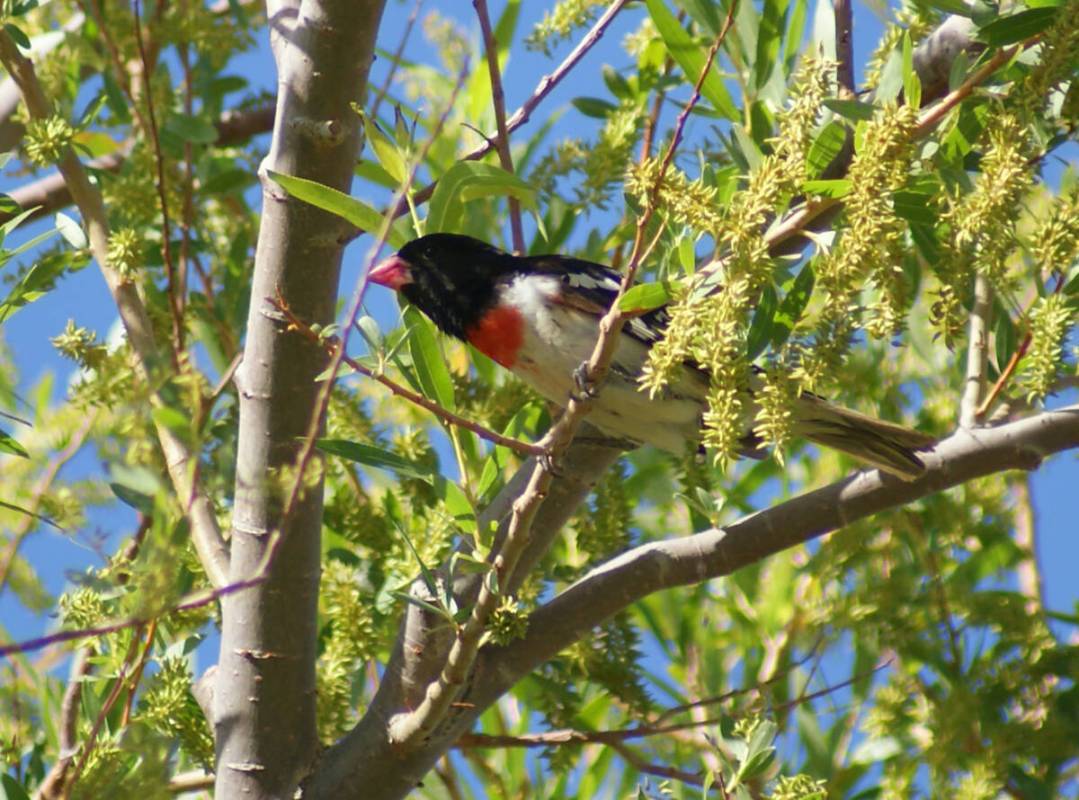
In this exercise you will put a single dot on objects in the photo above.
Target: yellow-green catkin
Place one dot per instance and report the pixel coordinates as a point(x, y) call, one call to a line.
point(870, 245)
point(1059, 55)
point(1049, 323)
point(775, 403)
point(710, 328)
point(914, 20)
point(1055, 244)
point(47, 139)
point(559, 23)
point(982, 223)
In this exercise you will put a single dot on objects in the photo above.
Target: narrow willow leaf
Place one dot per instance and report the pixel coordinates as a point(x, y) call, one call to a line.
point(9, 445)
point(345, 206)
point(378, 457)
point(912, 84)
point(839, 187)
point(593, 106)
point(794, 303)
point(427, 360)
point(761, 327)
point(1016, 27)
point(691, 57)
point(470, 180)
point(826, 146)
point(71, 231)
point(646, 296)
point(854, 110)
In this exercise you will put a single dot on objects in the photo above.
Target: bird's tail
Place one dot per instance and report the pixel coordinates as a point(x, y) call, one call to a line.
point(884, 445)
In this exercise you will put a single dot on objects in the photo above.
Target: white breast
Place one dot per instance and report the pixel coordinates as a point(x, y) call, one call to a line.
point(558, 338)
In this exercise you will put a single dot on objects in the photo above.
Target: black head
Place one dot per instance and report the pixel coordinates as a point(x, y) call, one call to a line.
point(450, 278)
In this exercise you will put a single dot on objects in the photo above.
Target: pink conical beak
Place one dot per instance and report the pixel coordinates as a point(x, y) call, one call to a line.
point(392, 273)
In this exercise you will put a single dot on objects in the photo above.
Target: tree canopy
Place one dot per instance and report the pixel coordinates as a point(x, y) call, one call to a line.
point(351, 557)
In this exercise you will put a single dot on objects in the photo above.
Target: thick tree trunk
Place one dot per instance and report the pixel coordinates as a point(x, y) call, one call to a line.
point(264, 694)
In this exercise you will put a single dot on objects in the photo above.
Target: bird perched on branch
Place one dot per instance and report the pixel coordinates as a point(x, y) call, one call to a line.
point(538, 316)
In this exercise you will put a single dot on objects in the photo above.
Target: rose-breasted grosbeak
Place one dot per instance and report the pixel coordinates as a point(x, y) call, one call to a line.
point(538, 317)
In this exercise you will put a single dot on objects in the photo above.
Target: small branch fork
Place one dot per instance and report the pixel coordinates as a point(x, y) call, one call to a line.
point(414, 727)
point(332, 345)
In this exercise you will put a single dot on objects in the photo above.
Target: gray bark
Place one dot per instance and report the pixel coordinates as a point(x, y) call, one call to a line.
point(366, 764)
point(264, 694)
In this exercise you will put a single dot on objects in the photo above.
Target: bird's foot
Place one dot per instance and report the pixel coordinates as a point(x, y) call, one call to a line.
point(584, 388)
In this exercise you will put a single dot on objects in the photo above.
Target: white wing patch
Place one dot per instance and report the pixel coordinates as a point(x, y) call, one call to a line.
point(584, 280)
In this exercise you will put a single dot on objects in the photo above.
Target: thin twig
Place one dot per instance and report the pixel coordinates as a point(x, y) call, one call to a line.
point(498, 100)
point(977, 352)
point(844, 46)
point(187, 207)
point(44, 483)
point(110, 701)
point(332, 345)
point(205, 533)
point(189, 602)
point(55, 784)
point(639, 763)
point(395, 62)
point(572, 735)
point(519, 117)
point(1016, 357)
point(172, 284)
point(442, 692)
point(1026, 538)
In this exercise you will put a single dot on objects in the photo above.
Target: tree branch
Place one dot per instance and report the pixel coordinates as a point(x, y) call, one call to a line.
point(51, 193)
point(977, 352)
point(662, 565)
point(264, 692)
point(178, 458)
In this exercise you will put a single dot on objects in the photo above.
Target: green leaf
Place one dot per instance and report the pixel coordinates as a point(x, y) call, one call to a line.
point(189, 128)
point(349, 208)
point(761, 328)
point(15, 221)
point(430, 607)
point(854, 110)
point(691, 57)
point(1006, 337)
point(470, 180)
point(173, 419)
point(593, 106)
point(958, 7)
point(16, 33)
point(9, 445)
point(10, 789)
point(617, 84)
point(912, 84)
point(71, 231)
point(914, 206)
point(839, 187)
point(646, 296)
point(386, 152)
point(1016, 27)
point(773, 20)
point(427, 360)
point(373, 456)
point(826, 146)
point(794, 303)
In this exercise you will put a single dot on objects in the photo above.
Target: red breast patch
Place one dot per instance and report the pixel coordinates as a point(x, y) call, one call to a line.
point(499, 335)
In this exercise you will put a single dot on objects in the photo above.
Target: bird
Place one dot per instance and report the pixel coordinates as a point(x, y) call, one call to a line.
point(538, 317)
